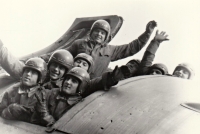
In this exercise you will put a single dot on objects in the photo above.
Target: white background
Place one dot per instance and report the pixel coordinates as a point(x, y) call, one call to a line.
point(29, 25)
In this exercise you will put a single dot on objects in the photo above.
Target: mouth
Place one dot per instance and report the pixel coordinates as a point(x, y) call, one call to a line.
point(67, 87)
point(98, 37)
point(179, 75)
point(55, 74)
point(26, 79)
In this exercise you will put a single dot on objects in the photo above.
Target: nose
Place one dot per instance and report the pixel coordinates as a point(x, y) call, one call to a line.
point(29, 72)
point(56, 68)
point(154, 73)
point(80, 64)
point(180, 72)
point(69, 81)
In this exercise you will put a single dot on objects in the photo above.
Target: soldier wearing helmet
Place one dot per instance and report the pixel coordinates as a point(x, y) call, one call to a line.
point(96, 45)
point(74, 84)
point(158, 69)
point(84, 61)
point(60, 62)
point(18, 102)
point(131, 68)
point(184, 70)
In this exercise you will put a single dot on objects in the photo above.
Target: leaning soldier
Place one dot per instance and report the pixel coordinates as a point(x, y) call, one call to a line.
point(18, 102)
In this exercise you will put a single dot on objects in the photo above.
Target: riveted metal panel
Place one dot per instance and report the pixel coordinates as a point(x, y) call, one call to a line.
point(148, 104)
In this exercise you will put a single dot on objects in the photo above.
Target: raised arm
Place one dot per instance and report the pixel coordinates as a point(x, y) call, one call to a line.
point(149, 54)
point(123, 51)
point(10, 63)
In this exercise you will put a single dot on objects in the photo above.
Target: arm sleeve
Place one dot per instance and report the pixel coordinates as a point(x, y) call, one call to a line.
point(105, 82)
point(123, 51)
point(10, 63)
point(4, 102)
point(148, 58)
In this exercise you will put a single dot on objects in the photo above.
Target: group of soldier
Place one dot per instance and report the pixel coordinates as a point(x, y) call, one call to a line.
point(51, 84)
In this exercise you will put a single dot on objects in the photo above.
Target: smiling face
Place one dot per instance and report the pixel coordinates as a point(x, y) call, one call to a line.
point(98, 35)
point(56, 71)
point(155, 72)
point(181, 73)
point(82, 64)
point(70, 85)
point(30, 77)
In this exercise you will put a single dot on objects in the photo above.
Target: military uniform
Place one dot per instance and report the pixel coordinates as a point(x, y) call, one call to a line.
point(18, 103)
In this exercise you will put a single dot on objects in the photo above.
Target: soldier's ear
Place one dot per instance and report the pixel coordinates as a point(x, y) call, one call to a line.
point(110, 38)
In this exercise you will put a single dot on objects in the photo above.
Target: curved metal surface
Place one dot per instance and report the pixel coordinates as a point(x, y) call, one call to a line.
point(147, 104)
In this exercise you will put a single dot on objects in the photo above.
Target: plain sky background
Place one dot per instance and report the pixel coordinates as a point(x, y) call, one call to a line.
point(30, 25)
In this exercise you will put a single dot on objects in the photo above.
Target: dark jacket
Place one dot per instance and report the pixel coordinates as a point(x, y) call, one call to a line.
point(17, 95)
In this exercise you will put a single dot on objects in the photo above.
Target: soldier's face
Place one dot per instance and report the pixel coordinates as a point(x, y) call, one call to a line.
point(98, 35)
point(182, 73)
point(56, 71)
point(155, 72)
point(133, 67)
point(70, 85)
point(82, 64)
point(30, 77)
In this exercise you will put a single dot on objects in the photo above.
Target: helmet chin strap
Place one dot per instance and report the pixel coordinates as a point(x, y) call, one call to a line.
point(74, 94)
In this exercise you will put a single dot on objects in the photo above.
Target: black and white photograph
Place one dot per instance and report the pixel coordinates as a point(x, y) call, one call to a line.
point(99, 67)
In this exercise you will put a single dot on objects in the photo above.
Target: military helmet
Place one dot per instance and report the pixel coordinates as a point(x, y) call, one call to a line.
point(137, 61)
point(161, 67)
point(187, 67)
point(62, 57)
point(83, 77)
point(104, 25)
point(39, 65)
point(87, 58)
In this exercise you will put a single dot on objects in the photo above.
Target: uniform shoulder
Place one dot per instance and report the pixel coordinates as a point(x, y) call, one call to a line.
point(80, 41)
point(13, 88)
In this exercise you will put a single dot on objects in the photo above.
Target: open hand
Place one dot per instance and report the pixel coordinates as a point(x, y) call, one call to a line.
point(160, 36)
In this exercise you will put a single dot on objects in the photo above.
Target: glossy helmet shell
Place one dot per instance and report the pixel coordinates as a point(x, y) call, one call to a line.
point(137, 61)
point(161, 67)
point(104, 25)
point(62, 57)
point(83, 77)
point(39, 65)
point(87, 58)
point(188, 67)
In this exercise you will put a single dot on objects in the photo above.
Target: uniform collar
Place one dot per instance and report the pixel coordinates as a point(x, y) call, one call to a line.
point(57, 82)
point(104, 49)
point(29, 91)
point(69, 99)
